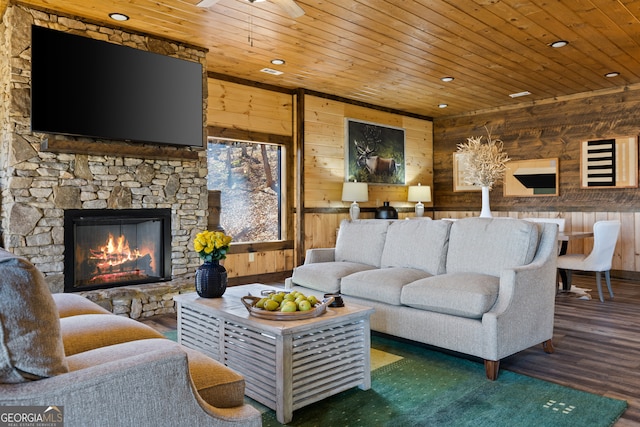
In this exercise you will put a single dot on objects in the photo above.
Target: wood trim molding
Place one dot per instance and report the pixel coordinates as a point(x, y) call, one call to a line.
point(243, 248)
point(247, 135)
point(97, 148)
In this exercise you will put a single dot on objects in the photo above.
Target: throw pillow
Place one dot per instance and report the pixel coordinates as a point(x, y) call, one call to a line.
point(30, 342)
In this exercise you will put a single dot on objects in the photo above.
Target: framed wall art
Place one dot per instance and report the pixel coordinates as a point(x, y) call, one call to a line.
point(527, 178)
point(374, 153)
point(609, 163)
point(459, 184)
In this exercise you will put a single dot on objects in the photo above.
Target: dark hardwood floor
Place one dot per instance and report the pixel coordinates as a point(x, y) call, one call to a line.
point(597, 345)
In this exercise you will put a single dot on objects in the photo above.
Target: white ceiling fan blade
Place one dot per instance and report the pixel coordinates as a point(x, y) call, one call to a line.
point(290, 7)
point(207, 3)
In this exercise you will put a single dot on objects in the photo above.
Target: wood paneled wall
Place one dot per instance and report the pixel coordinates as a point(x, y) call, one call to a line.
point(324, 153)
point(238, 106)
point(550, 130)
point(324, 165)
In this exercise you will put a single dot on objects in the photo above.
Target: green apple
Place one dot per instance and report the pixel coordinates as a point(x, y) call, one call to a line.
point(313, 300)
point(260, 303)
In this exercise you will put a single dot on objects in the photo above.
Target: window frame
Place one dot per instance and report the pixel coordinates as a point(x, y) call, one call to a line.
point(286, 142)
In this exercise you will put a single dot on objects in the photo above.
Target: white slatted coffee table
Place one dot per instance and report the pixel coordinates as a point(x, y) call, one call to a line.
point(286, 364)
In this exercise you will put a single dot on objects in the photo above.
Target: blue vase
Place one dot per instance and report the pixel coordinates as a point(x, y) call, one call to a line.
point(211, 280)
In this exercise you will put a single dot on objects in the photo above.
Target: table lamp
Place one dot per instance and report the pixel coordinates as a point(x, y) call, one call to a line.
point(419, 193)
point(355, 192)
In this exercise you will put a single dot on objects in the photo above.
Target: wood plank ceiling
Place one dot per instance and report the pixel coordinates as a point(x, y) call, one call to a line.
point(393, 53)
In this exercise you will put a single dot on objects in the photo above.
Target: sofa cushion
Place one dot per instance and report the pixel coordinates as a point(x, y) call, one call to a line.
point(383, 285)
point(361, 241)
point(74, 304)
point(325, 276)
point(460, 294)
point(487, 246)
point(417, 244)
point(30, 343)
point(217, 384)
point(88, 331)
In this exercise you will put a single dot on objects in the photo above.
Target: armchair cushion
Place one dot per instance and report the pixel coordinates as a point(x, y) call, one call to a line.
point(30, 343)
point(88, 331)
point(73, 304)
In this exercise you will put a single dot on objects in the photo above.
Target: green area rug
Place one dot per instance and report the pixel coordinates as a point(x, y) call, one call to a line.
point(429, 388)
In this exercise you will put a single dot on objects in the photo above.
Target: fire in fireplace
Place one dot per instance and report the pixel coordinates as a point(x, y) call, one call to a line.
point(107, 248)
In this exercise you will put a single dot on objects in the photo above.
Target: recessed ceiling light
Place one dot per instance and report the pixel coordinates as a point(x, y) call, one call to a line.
point(447, 79)
point(118, 17)
point(443, 105)
point(612, 74)
point(519, 94)
point(277, 61)
point(559, 43)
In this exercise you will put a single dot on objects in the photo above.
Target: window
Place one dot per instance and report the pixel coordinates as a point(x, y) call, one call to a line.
point(249, 178)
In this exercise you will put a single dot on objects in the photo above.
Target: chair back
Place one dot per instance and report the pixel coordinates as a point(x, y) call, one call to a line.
point(605, 237)
point(558, 221)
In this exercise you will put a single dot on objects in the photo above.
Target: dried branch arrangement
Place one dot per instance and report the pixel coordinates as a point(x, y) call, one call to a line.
point(485, 163)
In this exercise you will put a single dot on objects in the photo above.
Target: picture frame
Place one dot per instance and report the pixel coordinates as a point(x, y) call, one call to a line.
point(609, 163)
point(458, 174)
point(374, 153)
point(531, 178)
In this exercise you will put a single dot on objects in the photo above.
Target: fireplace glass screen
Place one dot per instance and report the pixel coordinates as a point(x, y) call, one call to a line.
point(115, 248)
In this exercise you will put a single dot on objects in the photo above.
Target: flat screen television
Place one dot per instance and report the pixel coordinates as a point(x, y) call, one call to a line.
point(92, 88)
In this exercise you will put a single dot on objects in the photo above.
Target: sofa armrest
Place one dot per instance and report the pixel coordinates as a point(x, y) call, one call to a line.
point(320, 255)
point(153, 388)
point(524, 311)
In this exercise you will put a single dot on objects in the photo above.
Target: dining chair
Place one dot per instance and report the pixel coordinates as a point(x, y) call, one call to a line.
point(605, 236)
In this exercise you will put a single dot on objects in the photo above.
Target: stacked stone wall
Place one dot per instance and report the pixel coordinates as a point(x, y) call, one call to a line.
point(38, 186)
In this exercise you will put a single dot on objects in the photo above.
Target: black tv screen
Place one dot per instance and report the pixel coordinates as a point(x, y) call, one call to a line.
point(92, 88)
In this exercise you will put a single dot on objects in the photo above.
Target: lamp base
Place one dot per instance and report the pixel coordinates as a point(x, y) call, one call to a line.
point(354, 211)
point(419, 209)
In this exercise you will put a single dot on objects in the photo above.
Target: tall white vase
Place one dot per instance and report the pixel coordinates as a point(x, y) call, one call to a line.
point(486, 209)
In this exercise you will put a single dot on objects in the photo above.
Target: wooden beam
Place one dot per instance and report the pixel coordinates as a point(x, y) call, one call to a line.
point(53, 145)
point(299, 136)
point(3, 8)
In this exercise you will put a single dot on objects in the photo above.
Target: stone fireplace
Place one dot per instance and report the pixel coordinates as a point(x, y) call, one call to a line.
point(38, 185)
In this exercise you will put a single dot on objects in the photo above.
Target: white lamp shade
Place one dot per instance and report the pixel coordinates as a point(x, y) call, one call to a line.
point(419, 193)
point(355, 192)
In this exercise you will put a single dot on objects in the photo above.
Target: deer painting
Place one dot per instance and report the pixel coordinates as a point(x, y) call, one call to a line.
point(376, 165)
point(375, 153)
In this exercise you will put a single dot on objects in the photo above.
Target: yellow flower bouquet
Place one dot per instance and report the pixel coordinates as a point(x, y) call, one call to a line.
point(212, 245)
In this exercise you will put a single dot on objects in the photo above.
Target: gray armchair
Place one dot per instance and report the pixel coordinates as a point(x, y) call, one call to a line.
point(101, 369)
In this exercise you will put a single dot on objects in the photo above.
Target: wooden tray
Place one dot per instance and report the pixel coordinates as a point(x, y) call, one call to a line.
point(250, 301)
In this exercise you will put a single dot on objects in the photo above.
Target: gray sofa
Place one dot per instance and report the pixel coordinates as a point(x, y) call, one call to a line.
point(479, 286)
point(65, 352)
